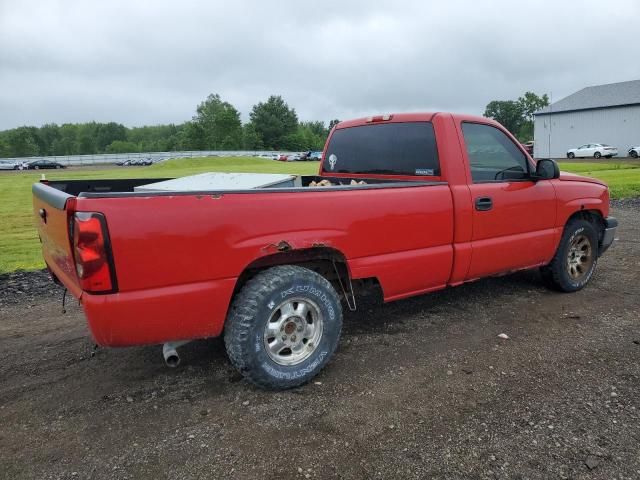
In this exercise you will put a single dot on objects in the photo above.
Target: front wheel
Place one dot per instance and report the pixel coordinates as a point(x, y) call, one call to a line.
point(597, 155)
point(571, 155)
point(575, 260)
point(283, 327)
point(634, 154)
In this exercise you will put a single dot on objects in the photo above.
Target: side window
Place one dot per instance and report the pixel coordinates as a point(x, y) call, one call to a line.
point(492, 155)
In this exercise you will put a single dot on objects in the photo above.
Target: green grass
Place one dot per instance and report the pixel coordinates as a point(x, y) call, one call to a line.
point(19, 246)
point(623, 178)
point(577, 167)
point(20, 249)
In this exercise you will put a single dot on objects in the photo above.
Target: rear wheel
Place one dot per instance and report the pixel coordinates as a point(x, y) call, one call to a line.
point(634, 154)
point(575, 260)
point(597, 155)
point(283, 327)
point(571, 155)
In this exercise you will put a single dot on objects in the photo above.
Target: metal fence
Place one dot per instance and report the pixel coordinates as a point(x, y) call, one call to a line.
point(107, 158)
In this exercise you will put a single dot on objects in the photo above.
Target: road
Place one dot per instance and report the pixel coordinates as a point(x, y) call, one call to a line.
point(421, 388)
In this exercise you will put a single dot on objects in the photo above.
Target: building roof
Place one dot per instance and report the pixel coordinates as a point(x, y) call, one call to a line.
point(599, 96)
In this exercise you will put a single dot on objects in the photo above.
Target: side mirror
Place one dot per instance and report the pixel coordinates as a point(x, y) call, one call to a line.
point(547, 169)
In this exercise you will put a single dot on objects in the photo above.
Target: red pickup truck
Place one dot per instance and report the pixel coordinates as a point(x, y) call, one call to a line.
point(411, 202)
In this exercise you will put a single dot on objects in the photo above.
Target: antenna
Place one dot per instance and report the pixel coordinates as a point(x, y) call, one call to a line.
point(550, 119)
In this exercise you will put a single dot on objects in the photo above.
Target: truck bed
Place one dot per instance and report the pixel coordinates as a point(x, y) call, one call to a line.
point(171, 249)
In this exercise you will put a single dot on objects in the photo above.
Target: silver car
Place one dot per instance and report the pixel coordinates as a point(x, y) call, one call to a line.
point(595, 150)
point(11, 165)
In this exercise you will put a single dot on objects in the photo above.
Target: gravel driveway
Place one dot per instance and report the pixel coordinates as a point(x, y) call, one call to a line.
point(421, 388)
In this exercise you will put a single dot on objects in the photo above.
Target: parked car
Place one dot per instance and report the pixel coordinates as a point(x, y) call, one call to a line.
point(38, 164)
point(595, 150)
point(528, 146)
point(315, 156)
point(634, 152)
point(123, 163)
point(283, 158)
point(196, 266)
point(295, 157)
point(10, 165)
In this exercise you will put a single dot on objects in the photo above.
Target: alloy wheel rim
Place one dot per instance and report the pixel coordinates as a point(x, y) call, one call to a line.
point(293, 331)
point(579, 257)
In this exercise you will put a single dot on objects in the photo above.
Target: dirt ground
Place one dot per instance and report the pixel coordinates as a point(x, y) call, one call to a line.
point(421, 388)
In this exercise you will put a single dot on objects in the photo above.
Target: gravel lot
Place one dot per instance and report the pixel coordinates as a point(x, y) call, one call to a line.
point(421, 388)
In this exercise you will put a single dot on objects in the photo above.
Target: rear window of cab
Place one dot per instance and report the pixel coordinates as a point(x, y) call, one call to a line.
point(384, 149)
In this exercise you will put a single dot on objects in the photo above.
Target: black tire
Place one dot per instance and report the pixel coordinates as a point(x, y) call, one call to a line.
point(251, 311)
point(557, 273)
point(634, 154)
point(571, 155)
point(597, 155)
point(58, 166)
point(36, 167)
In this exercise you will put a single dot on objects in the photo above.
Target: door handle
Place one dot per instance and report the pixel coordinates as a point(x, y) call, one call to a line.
point(484, 203)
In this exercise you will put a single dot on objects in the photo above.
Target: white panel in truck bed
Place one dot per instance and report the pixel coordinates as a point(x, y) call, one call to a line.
point(219, 181)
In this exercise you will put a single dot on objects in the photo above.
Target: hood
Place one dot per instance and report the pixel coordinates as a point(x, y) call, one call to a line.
point(572, 177)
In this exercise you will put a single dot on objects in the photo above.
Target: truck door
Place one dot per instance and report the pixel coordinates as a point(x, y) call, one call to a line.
point(513, 215)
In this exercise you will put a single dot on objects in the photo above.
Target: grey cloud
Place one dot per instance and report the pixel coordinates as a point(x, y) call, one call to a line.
point(149, 62)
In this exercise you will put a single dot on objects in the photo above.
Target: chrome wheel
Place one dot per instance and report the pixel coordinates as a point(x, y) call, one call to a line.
point(580, 257)
point(293, 331)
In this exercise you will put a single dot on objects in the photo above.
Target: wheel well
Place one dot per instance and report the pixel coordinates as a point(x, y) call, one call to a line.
point(328, 262)
point(595, 218)
point(592, 216)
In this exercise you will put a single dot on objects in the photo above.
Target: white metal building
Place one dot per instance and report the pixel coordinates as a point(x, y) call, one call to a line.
point(601, 114)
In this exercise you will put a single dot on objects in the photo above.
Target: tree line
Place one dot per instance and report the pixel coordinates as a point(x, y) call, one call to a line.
point(273, 125)
point(517, 115)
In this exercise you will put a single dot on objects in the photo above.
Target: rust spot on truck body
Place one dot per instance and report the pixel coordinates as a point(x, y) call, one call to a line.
point(281, 246)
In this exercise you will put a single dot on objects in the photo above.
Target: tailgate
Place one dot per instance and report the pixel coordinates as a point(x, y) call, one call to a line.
point(52, 211)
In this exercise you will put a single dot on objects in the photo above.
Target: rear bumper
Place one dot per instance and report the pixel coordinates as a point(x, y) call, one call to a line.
point(610, 225)
point(159, 315)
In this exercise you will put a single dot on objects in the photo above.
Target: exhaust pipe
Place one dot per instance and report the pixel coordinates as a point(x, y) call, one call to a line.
point(170, 354)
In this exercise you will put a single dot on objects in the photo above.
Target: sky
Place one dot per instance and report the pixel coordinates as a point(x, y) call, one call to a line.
point(143, 62)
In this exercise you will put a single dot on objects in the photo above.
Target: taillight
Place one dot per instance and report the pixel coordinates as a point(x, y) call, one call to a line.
point(92, 253)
